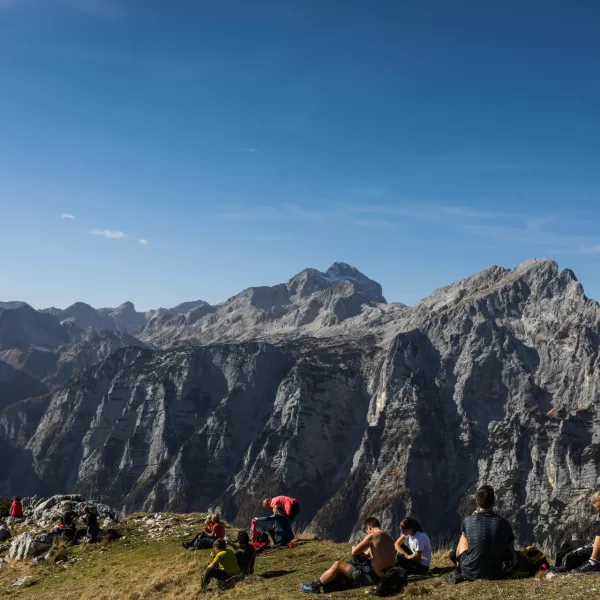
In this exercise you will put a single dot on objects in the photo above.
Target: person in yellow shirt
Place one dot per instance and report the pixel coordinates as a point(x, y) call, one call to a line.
point(223, 567)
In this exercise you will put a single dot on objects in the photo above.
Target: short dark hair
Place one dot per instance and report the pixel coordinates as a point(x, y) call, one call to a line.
point(278, 509)
point(372, 522)
point(220, 544)
point(243, 537)
point(485, 497)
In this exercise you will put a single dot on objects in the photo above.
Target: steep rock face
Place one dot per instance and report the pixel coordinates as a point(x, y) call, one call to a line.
point(493, 379)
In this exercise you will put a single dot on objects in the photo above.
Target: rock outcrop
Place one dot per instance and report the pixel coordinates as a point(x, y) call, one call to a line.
point(358, 408)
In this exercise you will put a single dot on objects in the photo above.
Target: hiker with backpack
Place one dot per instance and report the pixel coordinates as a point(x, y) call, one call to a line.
point(291, 507)
point(282, 534)
point(486, 542)
point(224, 566)
point(413, 547)
point(371, 558)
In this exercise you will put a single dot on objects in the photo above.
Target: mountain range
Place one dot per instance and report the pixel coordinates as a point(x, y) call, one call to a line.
point(319, 388)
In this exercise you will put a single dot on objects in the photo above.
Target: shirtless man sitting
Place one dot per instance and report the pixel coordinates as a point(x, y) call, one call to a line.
point(370, 559)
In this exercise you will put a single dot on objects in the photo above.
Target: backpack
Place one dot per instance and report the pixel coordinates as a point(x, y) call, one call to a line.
point(393, 582)
point(571, 558)
point(537, 557)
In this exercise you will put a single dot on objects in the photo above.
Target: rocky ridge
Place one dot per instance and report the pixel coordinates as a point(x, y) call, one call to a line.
point(362, 408)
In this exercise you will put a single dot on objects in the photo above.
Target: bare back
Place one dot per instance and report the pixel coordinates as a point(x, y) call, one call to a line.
point(382, 550)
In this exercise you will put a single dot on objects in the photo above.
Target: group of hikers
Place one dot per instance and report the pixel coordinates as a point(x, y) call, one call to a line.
point(484, 550)
point(68, 525)
point(230, 561)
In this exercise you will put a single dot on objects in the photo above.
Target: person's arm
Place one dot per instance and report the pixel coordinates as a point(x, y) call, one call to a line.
point(269, 518)
point(363, 547)
point(398, 545)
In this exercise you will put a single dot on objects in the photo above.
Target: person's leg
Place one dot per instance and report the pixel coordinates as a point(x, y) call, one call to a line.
point(212, 574)
point(338, 568)
point(596, 549)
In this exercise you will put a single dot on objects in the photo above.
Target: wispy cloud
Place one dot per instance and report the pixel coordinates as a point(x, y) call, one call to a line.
point(590, 249)
point(66, 216)
point(142, 241)
point(109, 233)
point(251, 150)
point(551, 231)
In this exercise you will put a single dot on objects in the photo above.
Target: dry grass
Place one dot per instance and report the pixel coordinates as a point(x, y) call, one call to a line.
point(135, 569)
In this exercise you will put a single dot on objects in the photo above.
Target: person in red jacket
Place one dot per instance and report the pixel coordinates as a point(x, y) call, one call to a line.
point(16, 508)
point(290, 505)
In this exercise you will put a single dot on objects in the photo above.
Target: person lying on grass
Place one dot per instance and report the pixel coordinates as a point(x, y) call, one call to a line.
point(370, 559)
point(223, 567)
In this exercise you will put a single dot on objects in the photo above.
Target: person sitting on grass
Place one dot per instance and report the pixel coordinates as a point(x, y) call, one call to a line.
point(370, 559)
point(283, 533)
point(413, 547)
point(244, 552)
point(213, 530)
point(486, 541)
point(223, 567)
point(593, 564)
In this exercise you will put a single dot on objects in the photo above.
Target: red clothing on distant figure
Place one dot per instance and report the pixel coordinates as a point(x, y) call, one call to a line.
point(284, 501)
point(218, 531)
point(16, 509)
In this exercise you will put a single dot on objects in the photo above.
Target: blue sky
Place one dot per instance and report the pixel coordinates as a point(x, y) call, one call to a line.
point(418, 140)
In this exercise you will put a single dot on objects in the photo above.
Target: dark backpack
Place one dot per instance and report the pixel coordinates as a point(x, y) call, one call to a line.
point(393, 582)
point(571, 558)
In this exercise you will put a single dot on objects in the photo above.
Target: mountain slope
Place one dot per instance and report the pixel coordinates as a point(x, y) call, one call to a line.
point(390, 411)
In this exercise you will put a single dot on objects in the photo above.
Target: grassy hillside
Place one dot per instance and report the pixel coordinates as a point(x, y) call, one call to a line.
point(148, 566)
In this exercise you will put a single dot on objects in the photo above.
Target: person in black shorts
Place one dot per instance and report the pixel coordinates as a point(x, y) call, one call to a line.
point(486, 541)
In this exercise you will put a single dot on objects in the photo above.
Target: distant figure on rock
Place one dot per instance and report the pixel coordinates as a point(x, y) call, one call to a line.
point(282, 533)
point(413, 547)
point(16, 508)
point(486, 542)
point(90, 520)
point(593, 564)
point(291, 507)
point(370, 559)
point(67, 524)
point(223, 567)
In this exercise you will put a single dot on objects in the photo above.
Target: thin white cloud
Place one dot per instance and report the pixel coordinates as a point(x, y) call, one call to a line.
point(109, 233)
point(590, 249)
point(142, 241)
point(66, 216)
point(251, 150)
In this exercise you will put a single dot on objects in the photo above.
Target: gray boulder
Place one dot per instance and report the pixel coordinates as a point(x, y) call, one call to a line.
point(29, 544)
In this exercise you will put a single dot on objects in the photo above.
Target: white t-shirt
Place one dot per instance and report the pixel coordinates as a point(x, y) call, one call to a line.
point(420, 542)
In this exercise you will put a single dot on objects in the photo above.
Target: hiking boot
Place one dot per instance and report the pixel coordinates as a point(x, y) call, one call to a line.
point(454, 578)
point(589, 568)
point(311, 588)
